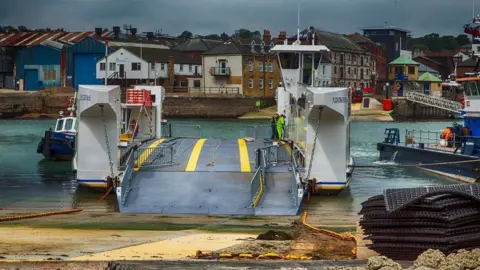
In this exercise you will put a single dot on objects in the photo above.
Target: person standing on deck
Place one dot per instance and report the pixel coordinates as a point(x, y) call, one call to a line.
point(273, 125)
point(280, 125)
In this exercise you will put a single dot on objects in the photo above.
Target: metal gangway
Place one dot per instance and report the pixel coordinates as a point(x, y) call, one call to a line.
point(434, 101)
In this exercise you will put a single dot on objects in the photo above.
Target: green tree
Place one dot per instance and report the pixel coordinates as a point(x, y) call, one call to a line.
point(244, 33)
point(224, 36)
point(212, 36)
point(462, 40)
point(257, 34)
point(186, 35)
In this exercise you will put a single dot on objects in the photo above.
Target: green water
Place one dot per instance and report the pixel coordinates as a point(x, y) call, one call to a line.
point(29, 181)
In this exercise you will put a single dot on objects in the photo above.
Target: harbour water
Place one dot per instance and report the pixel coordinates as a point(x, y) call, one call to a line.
point(29, 182)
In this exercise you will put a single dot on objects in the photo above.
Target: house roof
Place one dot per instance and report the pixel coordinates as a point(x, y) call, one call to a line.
point(161, 55)
point(197, 45)
point(386, 27)
point(426, 59)
point(442, 53)
point(403, 60)
point(334, 41)
point(468, 63)
point(360, 39)
point(429, 77)
point(425, 68)
point(229, 47)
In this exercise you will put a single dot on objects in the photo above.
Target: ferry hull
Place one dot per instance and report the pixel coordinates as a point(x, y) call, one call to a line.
point(57, 146)
point(465, 172)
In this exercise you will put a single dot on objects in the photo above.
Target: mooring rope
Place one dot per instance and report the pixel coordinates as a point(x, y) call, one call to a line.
point(12, 218)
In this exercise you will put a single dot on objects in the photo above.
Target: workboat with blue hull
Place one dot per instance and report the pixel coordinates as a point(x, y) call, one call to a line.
point(59, 143)
point(178, 171)
point(455, 152)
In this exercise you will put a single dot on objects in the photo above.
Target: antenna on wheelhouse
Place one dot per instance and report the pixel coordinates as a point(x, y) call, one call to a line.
point(298, 22)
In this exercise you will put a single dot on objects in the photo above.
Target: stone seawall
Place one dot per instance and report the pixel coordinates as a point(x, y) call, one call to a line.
point(14, 104)
point(208, 107)
point(404, 109)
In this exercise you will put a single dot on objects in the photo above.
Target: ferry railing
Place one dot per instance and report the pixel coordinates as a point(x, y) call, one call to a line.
point(256, 187)
point(257, 131)
point(181, 131)
point(154, 156)
point(431, 139)
point(127, 176)
point(295, 183)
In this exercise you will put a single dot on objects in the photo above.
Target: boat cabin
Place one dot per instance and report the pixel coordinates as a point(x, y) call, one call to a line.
point(66, 125)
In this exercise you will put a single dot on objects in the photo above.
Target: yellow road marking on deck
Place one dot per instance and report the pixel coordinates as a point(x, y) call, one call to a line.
point(192, 162)
point(146, 153)
point(244, 160)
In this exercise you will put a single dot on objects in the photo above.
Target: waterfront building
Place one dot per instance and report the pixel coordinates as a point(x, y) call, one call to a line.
point(232, 67)
point(196, 46)
point(378, 53)
point(393, 38)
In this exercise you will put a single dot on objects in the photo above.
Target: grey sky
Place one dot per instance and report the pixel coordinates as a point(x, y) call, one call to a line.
point(216, 16)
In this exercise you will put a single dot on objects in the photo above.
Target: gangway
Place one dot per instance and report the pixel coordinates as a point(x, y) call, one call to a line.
point(434, 101)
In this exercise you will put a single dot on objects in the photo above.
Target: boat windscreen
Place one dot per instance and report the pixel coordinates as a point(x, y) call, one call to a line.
point(289, 60)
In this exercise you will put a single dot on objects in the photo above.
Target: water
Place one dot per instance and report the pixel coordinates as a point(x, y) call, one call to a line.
point(29, 181)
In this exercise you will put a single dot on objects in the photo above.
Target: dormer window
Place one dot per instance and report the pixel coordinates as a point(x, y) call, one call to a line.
point(263, 46)
point(252, 45)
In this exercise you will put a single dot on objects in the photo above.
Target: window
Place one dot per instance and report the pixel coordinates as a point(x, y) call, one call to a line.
point(348, 71)
point(260, 83)
point(289, 60)
point(181, 67)
point(270, 84)
point(396, 46)
point(250, 66)
point(411, 70)
point(335, 70)
point(190, 68)
point(112, 66)
point(271, 67)
point(355, 72)
point(136, 67)
point(69, 124)
point(341, 58)
point(260, 66)
point(323, 69)
point(250, 83)
point(162, 67)
point(49, 75)
point(59, 125)
point(183, 83)
point(196, 83)
point(152, 66)
point(354, 59)
point(361, 61)
point(102, 66)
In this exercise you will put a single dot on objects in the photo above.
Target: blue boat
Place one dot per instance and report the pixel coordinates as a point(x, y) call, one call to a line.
point(454, 153)
point(59, 143)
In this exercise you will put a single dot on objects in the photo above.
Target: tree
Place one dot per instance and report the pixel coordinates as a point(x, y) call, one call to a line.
point(212, 36)
point(224, 36)
point(462, 40)
point(257, 34)
point(186, 35)
point(244, 33)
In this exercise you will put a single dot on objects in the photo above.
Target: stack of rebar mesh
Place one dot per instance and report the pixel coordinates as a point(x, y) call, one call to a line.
point(403, 223)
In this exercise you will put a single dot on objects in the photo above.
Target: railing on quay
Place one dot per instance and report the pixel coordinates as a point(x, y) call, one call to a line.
point(162, 155)
point(181, 131)
point(127, 176)
point(202, 91)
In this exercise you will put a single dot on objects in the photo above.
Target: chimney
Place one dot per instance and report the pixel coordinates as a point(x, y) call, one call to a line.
point(267, 38)
point(116, 31)
point(149, 35)
point(171, 74)
point(98, 31)
point(133, 31)
point(282, 36)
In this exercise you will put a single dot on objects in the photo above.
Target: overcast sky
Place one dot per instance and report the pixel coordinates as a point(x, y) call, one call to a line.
point(216, 16)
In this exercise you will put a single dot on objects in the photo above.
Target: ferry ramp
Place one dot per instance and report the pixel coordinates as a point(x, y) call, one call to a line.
point(205, 176)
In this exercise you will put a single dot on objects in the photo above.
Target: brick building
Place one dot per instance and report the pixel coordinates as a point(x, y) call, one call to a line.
point(377, 52)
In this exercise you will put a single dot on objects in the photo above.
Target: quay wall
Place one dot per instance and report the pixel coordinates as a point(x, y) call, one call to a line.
point(22, 104)
point(404, 109)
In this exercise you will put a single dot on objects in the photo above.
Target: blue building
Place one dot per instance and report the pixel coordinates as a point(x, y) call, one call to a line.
point(393, 38)
point(40, 66)
point(85, 55)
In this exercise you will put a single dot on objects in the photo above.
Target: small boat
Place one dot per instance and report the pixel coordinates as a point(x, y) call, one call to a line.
point(454, 153)
point(59, 143)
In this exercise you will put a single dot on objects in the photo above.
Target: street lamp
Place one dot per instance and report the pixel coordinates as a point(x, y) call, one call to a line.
point(457, 59)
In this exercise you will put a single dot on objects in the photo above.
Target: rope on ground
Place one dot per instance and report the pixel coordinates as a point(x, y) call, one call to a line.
point(13, 218)
point(106, 194)
point(416, 165)
point(342, 236)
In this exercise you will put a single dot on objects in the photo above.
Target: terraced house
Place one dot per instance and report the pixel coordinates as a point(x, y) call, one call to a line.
point(235, 68)
point(351, 65)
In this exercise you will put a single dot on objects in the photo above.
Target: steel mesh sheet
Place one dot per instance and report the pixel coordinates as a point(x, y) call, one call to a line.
point(403, 223)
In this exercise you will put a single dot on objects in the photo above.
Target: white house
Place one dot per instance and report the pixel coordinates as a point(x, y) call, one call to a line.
point(323, 71)
point(138, 63)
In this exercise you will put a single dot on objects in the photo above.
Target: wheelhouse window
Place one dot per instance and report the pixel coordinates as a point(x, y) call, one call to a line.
point(59, 125)
point(69, 124)
point(289, 60)
point(471, 89)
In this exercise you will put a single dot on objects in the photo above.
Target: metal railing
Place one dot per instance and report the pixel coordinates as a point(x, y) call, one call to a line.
point(181, 131)
point(257, 131)
point(256, 186)
point(434, 101)
point(127, 176)
point(295, 183)
point(162, 155)
point(296, 131)
point(199, 91)
point(220, 71)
